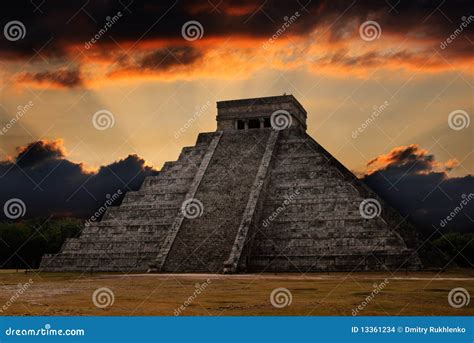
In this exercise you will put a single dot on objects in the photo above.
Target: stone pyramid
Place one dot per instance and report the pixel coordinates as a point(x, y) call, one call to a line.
point(257, 195)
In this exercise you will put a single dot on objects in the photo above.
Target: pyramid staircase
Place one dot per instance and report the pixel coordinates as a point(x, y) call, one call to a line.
point(204, 243)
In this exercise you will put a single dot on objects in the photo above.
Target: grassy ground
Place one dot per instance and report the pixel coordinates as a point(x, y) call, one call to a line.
point(160, 294)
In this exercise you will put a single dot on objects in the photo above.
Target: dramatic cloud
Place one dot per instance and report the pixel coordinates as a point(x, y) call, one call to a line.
point(58, 78)
point(49, 184)
point(409, 159)
point(167, 58)
point(413, 182)
point(38, 152)
point(76, 21)
point(159, 60)
point(139, 37)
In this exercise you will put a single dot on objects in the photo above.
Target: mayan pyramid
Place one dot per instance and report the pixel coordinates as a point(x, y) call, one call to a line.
point(259, 194)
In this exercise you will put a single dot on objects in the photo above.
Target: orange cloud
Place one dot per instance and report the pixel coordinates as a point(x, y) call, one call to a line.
point(58, 79)
point(56, 146)
point(239, 57)
point(410, 158)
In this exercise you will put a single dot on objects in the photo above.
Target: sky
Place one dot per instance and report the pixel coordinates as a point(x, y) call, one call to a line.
point(103, 82)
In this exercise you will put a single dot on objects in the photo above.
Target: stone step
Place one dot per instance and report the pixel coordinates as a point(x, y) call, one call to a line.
point(318, 194)
point(341, 206)
point(192, 153)
point(318, 224)
point(182, 174)
point(306, 247)
point(295, 139)
point(169, 179)
point(132, 221)
point(190, 164)
point(304, 174)
point(119, 213)
point(185, 170)
point(205, 138)
point(287, 183)
point(169, 189)
point(177, 180)
point(101, 255)
point(167, 166)
point(297, 146)
point(133, 197)
point(308, 230)
point(327, 214)
point(298, 166)
point(120, 229)
point(300, 157)
point(151, 205)
point(95, 231)
point(104, 246)
point(336, 262)
point(94, 261)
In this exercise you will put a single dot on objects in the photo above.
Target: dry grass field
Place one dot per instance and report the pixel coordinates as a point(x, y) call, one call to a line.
point(230, 295)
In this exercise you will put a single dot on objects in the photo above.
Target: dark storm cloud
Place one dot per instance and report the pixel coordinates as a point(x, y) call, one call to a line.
point(160, 59)
point(59, 78)
point(49, 184)
point(37, 152)
point(54, 25)
point(343, 57)
point(166, 58)
point(411, 181)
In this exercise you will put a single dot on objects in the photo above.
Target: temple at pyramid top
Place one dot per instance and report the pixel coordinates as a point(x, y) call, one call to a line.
point(255, 113)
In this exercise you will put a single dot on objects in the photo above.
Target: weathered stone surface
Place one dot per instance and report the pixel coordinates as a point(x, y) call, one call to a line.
point(275, 202)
